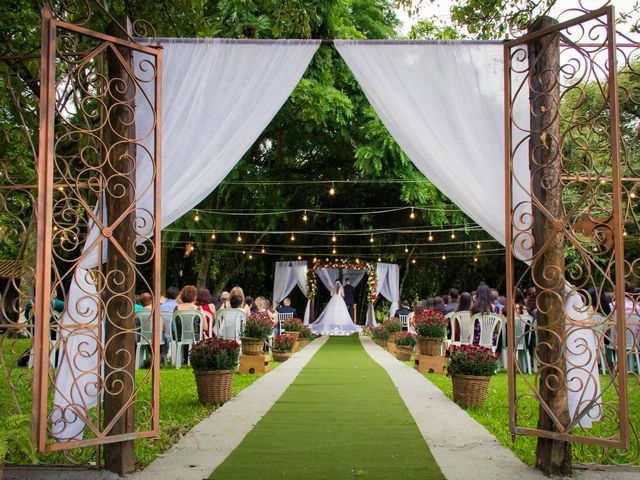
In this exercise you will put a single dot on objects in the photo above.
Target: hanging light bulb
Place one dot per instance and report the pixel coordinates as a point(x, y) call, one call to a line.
point(293, 237)
point(332, 190)
point(478, 246)
point(413, 260)
point(333, 251)
point(453, 235)
point(213, 236)
point(624, 233)
point(412, 215)
point(244, 252)
point(315, 259)
point(379, 259)
point(262, 250)
point(196, 217)
point(304, 216)
point(357, 260)
point(250, 257)
point(406, 249)
point(475, 259)
point(444, 257)
point(334, 238)
point(239, 239)
point(371, 239)
point(61, 189)
point(299, 257)
point(430, 237)
point(632, 195)
point(188, 250)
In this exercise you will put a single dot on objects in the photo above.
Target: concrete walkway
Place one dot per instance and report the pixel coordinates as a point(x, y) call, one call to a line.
point(463, 448)
point(201, 450)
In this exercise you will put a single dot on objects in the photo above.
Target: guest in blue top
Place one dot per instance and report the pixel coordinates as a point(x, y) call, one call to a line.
point(170, 303)
point(286, 307)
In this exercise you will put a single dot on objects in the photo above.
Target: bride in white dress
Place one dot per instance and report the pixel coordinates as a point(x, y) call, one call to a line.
point(335, 319)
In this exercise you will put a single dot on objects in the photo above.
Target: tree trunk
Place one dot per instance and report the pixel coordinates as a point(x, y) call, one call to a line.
point(204, 262)
point(552, 456)
point(120, 277)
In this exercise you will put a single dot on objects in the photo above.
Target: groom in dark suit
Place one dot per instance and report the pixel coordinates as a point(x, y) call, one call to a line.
point(349, 296)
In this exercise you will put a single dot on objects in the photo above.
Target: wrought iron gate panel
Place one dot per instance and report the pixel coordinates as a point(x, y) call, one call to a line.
point(574, 121)
point(96, 88)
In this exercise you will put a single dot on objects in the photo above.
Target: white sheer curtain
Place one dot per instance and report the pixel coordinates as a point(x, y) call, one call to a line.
point(354, 276)
point(288, 275)
point(218, 96)
point(389, 284)
point(443, 104)
point(328, 276)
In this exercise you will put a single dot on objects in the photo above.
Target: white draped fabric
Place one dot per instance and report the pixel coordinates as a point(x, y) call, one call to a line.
point(289, 275)
point(218, 96)
point(328, 276)
point(388, 275)
point(443, 104)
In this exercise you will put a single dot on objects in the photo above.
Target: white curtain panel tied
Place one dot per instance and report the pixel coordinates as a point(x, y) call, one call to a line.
point(388, 275)
point(218, 96)
point(289, 275)
point(443, 103)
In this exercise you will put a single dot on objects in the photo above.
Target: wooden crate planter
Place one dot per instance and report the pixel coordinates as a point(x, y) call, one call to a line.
point(391, 346)
point(430, 346)
point(254, 364)
point(430, 363)
point(403, 353)
point(302, 342)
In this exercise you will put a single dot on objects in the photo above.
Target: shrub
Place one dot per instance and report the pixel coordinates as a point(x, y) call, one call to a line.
point(379, 333)
point(293, 325)
point(472, 360)
point(215, 354)
point(283, 342)
point(15, 438)
point(305, 333)
point(404, 339)
point(258, 325)
point(430, 323)
point(392, 326)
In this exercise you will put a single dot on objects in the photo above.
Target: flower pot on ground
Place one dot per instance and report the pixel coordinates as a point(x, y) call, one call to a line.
point(305, 337)
point(293, 326)
point(380, 335)
point(213, 361)
point(470, 368)
point(431, 327)
point(282, 346)
point(405, 342)
point(256, 331)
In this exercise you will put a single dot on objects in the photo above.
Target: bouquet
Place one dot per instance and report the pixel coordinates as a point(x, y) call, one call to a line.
point(429, 323)
point(473, 360)
point(405, 339)
point(214, 354)
point(258, 325)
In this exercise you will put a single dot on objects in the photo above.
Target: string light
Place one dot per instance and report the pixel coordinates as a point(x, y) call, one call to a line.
point(333, 238)
point(453, 235)
point(406, 249)
point(315, 259)
point(444, 257)
point(190, 248)
point(430, 237)
point(413, 260)
point(61, 189)
point(632, 195)
point(624, 233)
point(379, 259)
point(250, 257)
point(475, 259)
point(371, 239)
point(357, 260)
point(213, 236)
point(478, 246)
point(293, 237)
point(239, 239)
point(304, 216)
point(333, 251)
point(244, 252)
point(332, 190)
point(299, 257)
point(412, 215)
point(196, 217)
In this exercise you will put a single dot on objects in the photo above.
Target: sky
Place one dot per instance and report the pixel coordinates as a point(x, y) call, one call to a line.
point(440, 9)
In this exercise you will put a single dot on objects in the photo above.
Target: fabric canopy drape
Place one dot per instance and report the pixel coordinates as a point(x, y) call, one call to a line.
point(218, 96)
point(328, 276)
point(388, 275)
point(286, 277)
point(443, 103)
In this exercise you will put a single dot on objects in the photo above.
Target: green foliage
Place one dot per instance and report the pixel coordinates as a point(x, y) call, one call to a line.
point(392, 326)
point(214, 354)
point(306, 333)
point(258, 325)
point(293, 325)
point(379, 333)
point(283, 342)
point(15, 438)
point(472, 360)
point(404, 339)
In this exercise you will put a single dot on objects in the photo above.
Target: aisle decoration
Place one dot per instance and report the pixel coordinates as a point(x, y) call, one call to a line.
point(405, 342)
point(213, 361)
point(431, 327)
point(305, 337)
point(282, 347)
point(380, 335)
point(370, 268)
point(470, 368)
point(392, 326)
point(256, 330)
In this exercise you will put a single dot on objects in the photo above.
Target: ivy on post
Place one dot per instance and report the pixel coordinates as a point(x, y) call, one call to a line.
point(119, 175)
point(545, 164)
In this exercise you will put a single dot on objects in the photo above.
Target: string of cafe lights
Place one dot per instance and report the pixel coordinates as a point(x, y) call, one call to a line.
point(406, 245)
point(307, 212)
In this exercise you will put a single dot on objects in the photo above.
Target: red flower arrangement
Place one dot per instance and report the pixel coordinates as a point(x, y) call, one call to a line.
point(472, 360)
point(283, 342)
point(429, 323)
point(214, 354)
point(293, 324)
point(404, 339)
point(258, 325)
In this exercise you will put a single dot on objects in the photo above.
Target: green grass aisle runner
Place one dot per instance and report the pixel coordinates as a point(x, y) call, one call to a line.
point(341, 418)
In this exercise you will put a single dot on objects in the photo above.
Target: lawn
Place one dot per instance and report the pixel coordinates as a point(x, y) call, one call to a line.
point(179, 407)
point(494, 416)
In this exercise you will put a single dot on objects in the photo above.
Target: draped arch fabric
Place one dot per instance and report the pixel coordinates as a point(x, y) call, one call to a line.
point(288, 275)
point(388, 275)
point(328, 276)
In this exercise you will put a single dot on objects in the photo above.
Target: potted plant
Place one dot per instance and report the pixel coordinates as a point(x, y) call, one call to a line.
point(470, 368)
point(405, 342)
point(15, 437)
point(305, 337)
point(431, 327)
point(256, 331)
point(392, 326)
point(282, 346)
point(380, 335)
point(293, 326)
point(213, 361)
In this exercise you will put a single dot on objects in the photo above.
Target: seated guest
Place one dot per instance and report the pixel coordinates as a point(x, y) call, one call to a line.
point(452, 306)
point(438, 304)
point(238, 292)
point(252, 307)
point(188, 296)
point(170, 303)
point(216, 300)
point(483, 304)
point(464, 305)
point(263, 305)
point(224, 301)
point(404, 309)
point(230, 319)
point(495, 298)
point(286, 307)
point(205, 302)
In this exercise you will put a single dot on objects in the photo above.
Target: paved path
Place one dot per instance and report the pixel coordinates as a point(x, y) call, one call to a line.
point(201, 450)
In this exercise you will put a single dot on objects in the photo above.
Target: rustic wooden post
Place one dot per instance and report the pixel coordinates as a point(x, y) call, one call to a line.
point(545, 164)
point(120, 339)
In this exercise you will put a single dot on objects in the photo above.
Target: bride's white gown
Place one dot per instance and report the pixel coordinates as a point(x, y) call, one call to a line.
point(335, 319)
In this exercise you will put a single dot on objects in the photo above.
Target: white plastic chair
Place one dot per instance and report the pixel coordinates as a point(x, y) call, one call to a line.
point(283, 317)
point(489, 322)
point(187, 334)
point(521, 322)
point(209, 322)
point(404, 319)
point(144, 321)
point(463, 321)
point(600, 328)
point(168, 328)
point(231, 323)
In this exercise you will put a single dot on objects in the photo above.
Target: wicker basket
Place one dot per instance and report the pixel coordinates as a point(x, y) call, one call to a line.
point(281, 356)
point(381, 343)
point(470, 390)
point(252, 346)
point(302, 342)
point(293, 334)
point(214, 386)
point(430, 346)
point(403, 353)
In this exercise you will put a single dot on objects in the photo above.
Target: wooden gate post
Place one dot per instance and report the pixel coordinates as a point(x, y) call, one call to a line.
point(545, 164)
point(120, 338)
